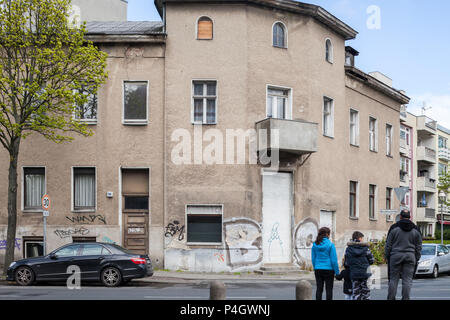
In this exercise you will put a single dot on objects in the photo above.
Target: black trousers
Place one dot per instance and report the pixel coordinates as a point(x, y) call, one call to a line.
point(324, 277)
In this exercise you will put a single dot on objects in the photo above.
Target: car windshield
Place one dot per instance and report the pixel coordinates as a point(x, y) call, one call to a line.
point(428, 250)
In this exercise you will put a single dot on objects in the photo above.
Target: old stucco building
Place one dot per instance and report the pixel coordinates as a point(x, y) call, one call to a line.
point(167, 173)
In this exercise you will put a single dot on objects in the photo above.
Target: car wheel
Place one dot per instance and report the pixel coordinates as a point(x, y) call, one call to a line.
point(435, 272)
point(24, 276)
point(111, 277)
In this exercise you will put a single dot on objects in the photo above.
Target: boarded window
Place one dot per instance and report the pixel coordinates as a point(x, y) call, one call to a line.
point(205, 29)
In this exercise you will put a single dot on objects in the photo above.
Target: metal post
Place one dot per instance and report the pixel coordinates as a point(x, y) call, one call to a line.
point(442, 222)
point(218, 291)
point(45, 235)
point(303, 290)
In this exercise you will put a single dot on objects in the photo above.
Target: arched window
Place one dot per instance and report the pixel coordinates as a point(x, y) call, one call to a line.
point(279, 35)
point(329, 51)
point(204, 28)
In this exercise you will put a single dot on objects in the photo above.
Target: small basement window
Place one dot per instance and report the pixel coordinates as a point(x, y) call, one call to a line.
point(204, 224)
point(33, 247)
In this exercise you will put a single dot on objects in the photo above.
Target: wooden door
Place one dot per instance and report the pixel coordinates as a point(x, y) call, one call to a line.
point(135, 233)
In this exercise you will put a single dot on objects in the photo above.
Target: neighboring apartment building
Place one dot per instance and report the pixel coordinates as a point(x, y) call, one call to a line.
point(418, 169)
point(172, 169)
point(443, 148)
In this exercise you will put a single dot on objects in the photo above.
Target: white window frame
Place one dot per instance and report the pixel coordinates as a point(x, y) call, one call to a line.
point(23, 187)
point(26, 241)
point(389, 139)
point(356, 127)
point(375, 147)
point(205, 105)
point(375, 201)
point(72, 190)
point(331, 115)
point(356, 217)
point(88, 121)
point(186, 224)
point(288, 104)
point(331, 51)
point(136, 122)
point(285, 35)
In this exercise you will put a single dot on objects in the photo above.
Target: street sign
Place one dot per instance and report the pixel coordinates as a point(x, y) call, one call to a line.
point(388, 212)
point(46, 202)
point(401, 193)
point(45, 213)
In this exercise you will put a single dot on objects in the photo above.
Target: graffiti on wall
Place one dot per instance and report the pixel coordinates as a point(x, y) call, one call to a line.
point(16, 244)
point(66, 233)
point(304, 236)
point(108, 240)
point(173, 228)
point(87, 219)
point(243, 241)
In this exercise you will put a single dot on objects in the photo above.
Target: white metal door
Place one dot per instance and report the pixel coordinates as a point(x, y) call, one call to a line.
point(327, 220)
point(277, 214)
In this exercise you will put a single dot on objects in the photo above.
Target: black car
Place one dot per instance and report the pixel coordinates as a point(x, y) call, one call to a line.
point(105, 262)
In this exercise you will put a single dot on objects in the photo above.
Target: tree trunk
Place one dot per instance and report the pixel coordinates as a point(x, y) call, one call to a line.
point(12, 204)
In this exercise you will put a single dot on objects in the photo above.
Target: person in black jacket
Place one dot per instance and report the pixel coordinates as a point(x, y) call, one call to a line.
point(348, 286)
point(358, 258)
point(402, 251)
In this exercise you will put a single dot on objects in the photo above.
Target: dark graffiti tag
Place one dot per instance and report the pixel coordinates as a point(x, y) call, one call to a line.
point(87, 219)
point(173, 228)
point(70, 232)
point(3, 244)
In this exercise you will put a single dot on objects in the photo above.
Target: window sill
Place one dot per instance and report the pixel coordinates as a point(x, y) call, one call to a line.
point(84, 210)
point(354, 145)
point(373, 219)
point(390, 156)
point(329, 137)
point(354, 218)
point(203, 124)
point(32, 211)
point(135, 123)
point(373, 151)
point(88, 122)
point(206, 244)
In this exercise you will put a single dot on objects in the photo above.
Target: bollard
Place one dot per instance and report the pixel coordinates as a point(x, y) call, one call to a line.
point(303, 290)
point(218, 291)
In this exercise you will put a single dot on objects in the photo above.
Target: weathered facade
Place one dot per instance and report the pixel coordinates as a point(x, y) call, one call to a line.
point(216, 75)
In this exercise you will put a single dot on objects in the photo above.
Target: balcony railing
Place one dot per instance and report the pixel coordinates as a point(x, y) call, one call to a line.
point(426, 154)
point(444, 154)
point(426, 184)
point(425, 213)
point(426, 124)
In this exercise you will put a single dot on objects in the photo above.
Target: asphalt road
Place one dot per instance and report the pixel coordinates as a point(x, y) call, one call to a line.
point(423, 289)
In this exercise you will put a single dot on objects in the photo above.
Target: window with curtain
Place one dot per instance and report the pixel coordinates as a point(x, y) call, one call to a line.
point(84, 188)
point(204, 29)
point(372, 191)
point(328, 129)
point(372, 134)
point(278, 103)
point(34, 188)
point(353, 199)
point(354, 127)
point(204, 99)
point(279, 35)
point(388, 140)
point(329, 51)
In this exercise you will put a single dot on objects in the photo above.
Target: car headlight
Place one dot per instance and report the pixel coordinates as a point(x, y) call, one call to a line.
point(12, 264)
point(425, 263)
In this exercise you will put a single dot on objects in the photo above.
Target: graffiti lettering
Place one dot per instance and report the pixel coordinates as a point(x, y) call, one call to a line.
point(173, 228)
point(220, 257)
point(108, 240)
point(70, 232)
point(16, 244)
point(243, 241)
point(274, 235)
point(87, 219)
point(305, 235)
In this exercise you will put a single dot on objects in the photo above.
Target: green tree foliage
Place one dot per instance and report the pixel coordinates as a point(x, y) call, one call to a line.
point(44, 62)
point(377, 249)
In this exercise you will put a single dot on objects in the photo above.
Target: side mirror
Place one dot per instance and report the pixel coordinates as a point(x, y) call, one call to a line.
point(52, 256)
point(440, 254)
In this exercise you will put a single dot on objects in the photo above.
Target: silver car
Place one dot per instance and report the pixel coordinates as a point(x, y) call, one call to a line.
point(435, 260)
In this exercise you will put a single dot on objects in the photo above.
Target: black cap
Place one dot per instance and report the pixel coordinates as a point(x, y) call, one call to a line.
point(405, 214)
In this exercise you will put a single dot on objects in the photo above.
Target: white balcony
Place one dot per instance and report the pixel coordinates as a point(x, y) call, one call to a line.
point(427, 125)
point(426, 154)
point(444, 154)
point(426, 184)
point(405, 179)
point(425, 214)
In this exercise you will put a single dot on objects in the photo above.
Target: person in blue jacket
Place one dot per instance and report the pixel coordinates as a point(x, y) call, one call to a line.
point(325, 263)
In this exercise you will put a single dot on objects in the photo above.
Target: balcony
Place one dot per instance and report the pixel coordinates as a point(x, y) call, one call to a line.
point(425, 214)
point(426, 154)
point(403, 115)
point(426, 125)
point(425, 184)
point(294, 137)
point(444, 154)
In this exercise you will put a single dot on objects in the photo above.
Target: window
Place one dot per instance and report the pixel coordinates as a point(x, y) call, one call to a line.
point(136, 202)
point(278, 103)
point(388, 140)
point(442, 169)
point(372, 201)
point(354, 127)
point(34, 188)
point(279, 35)
point(442, 142)
point(328, 125)
point(84, 189)
point(94, 250)
point(204, 224)
point(328, 51)
point(204, 102)
point(87, 112)
point(68, 251)
point(353, 212)
point(33, 247)
point(204, 29)
point(404, 134)
point(135, 102)
point(372, 134)
point(388, 198)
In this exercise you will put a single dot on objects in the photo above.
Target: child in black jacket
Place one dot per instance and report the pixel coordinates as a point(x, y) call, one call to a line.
point(348, 286)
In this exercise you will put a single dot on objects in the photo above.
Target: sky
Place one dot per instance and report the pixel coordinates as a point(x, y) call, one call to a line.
point(407, 40)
